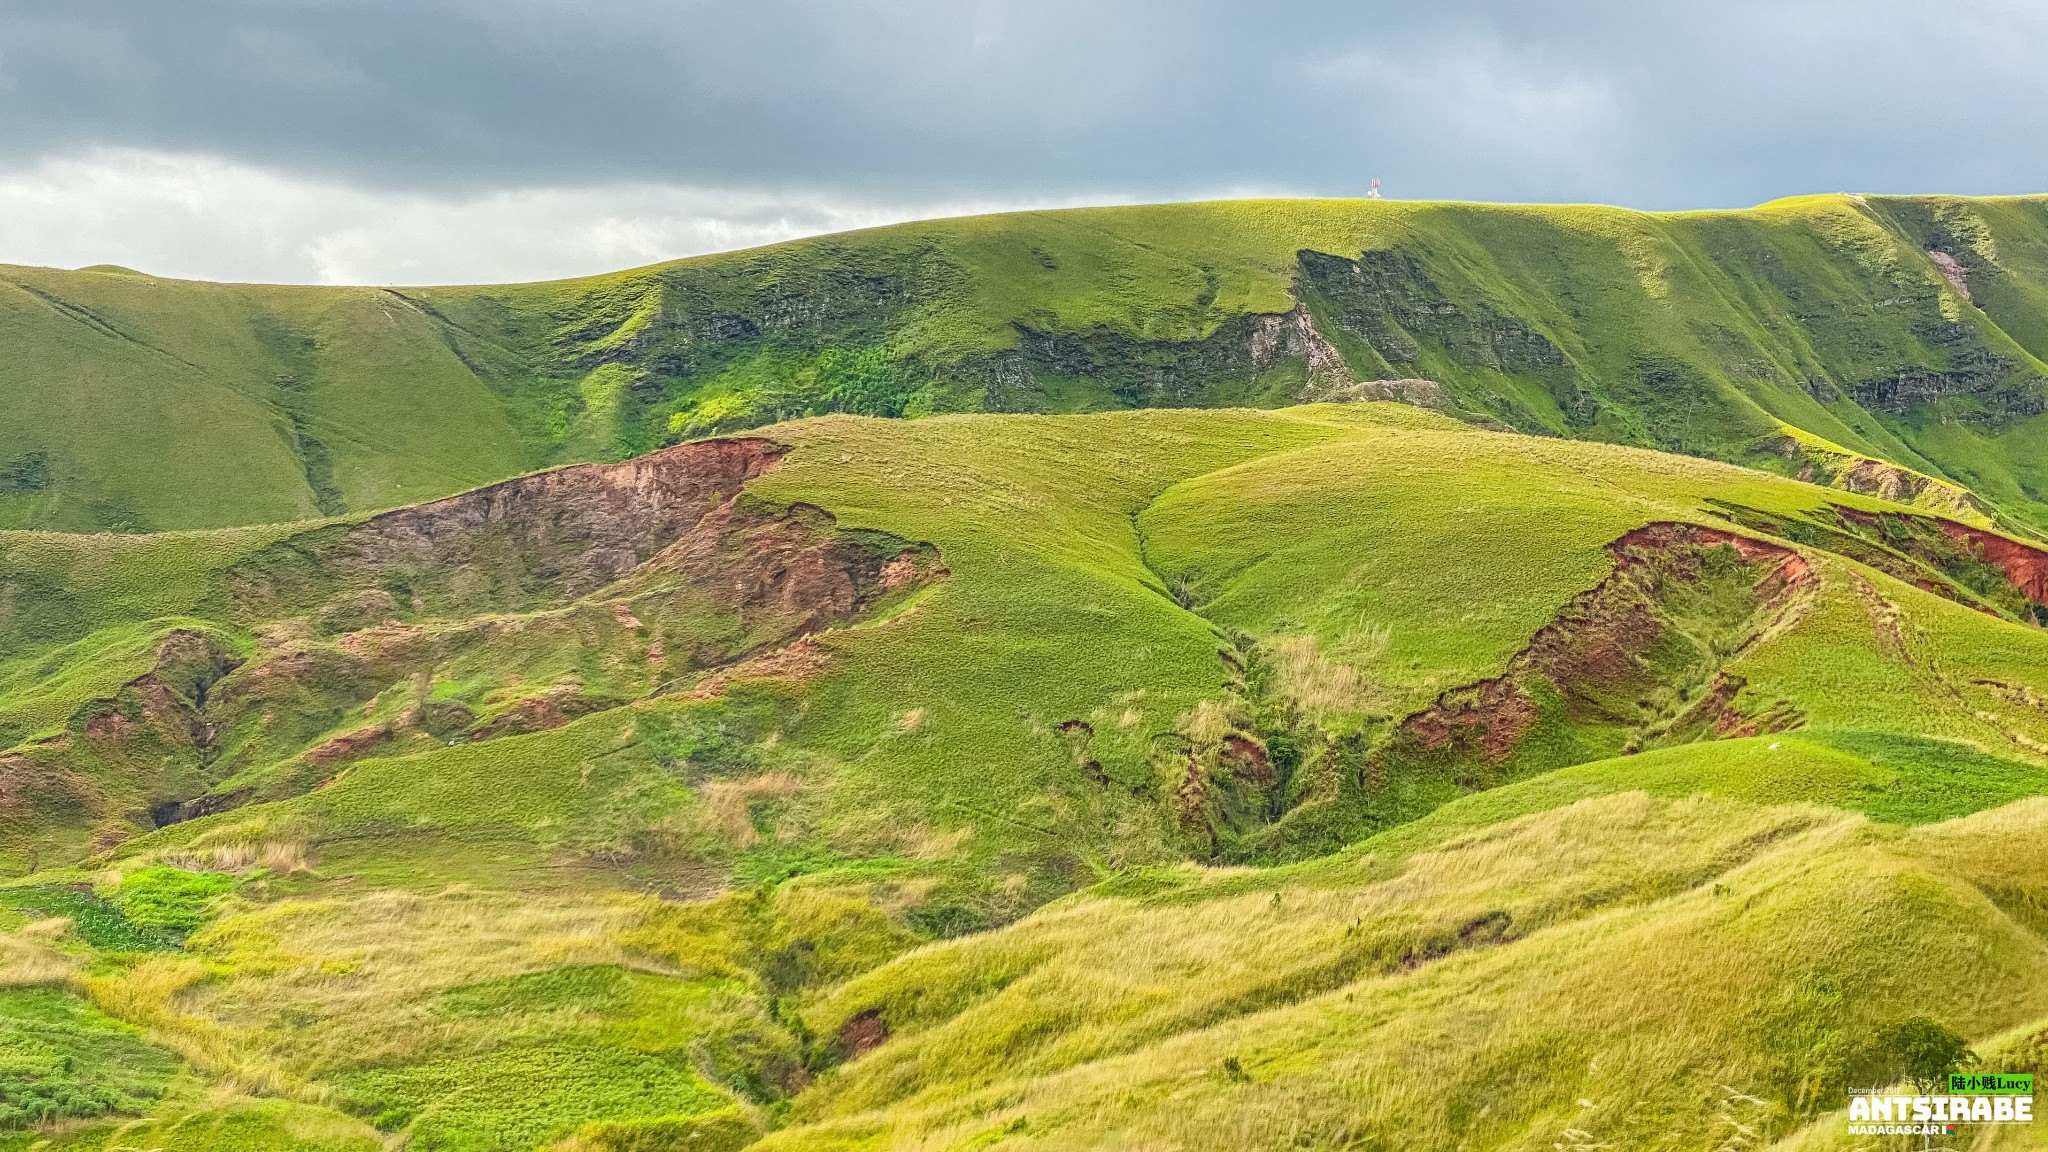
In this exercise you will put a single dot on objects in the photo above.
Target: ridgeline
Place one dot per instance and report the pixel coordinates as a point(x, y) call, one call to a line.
point(1892, 345)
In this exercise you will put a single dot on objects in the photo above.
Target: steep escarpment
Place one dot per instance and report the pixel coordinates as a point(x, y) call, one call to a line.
point(547, 537)
point(1625, 658)
point(1988, 571)
point(1636, 661)
point(2024, 566)
point(509, 610)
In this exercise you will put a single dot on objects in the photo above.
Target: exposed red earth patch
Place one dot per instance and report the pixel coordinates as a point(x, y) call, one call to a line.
point(1932, 553)
point(1597, 655)
point(793, 568)
point(603, 518)
point(632, 558)
point(554, 535)
point(1246, 759)
point(863, 1033)
point(539, 713)
point(2025, 566)
point(1716, 716)
point(793, 664)
point(347, 746)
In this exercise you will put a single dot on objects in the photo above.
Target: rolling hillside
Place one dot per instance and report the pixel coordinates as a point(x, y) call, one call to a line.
point(1333, 776)
point(1893, 346)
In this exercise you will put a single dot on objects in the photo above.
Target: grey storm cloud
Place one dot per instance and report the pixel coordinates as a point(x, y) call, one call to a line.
point(1646, 103)
point(409, 140)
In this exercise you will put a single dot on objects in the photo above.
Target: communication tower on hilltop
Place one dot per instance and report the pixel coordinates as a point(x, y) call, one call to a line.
point(1373, 193)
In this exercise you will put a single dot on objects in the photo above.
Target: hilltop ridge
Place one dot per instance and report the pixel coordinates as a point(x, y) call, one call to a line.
point(1891, 345)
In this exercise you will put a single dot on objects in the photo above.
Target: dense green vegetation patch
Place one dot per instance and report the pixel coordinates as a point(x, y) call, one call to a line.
point(98, 922)
point(1933, 780)
point(589, 988)
point(236, 1125)
point(61, 1059)
point(169, 898)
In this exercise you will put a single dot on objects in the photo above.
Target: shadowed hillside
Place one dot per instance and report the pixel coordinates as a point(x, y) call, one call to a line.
point(1892, 346)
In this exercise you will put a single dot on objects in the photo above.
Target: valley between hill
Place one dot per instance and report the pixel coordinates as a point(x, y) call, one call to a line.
point(1333, 776)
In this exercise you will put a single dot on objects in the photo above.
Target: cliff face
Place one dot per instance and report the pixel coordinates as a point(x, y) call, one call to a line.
point(1803, 336)
point(511, 609)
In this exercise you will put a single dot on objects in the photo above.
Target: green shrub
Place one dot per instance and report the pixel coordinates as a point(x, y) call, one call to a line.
point(96, 921)
point(1925, 1052)
point(60, 1058)
point(162, 897)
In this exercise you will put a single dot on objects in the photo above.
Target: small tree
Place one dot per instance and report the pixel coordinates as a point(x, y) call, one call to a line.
point(1925, 1052)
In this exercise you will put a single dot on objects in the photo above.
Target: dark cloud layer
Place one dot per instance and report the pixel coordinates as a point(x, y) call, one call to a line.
point(1646, 103)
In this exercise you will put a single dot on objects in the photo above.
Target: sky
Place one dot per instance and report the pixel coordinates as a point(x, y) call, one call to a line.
point(439, 141)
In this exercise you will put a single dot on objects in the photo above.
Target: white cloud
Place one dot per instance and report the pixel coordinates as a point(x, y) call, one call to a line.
point(184, 215)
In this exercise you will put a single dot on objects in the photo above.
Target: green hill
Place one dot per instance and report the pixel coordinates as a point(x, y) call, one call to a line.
point(1333, 776)
point(1889, 345)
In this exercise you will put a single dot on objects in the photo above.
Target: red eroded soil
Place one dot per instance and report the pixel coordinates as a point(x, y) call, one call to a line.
point(1246, 760)
point(864, 1033)
point(347, 746)
point(1790, 569)
point(550, 709)
point(799, 662)
point(791, 568)
point(572, 529)
point(1490, 716)
point(618, 507)
point(2025, 566)
point(1596, 648)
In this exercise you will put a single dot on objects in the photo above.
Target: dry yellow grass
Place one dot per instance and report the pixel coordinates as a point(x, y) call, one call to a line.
point(1095, 977)
point(153, 995)
point(1685, 974)
point(1325, 689)
point(353, 977)
point(729, 803)
point(31, 957)
point(278, 858)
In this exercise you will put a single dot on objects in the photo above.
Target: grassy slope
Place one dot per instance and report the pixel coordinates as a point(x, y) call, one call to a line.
point(150, 404)
point(1415, 546)
point(1777, 335)
point(947, 716)
point(922, 787)
point(1723, 965)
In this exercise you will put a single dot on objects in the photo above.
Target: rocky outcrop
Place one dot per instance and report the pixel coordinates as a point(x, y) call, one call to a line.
point(1951, 270)
point(1293, 336)
point(1415, 392)
point(1387, 300)
point(1869, 477)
